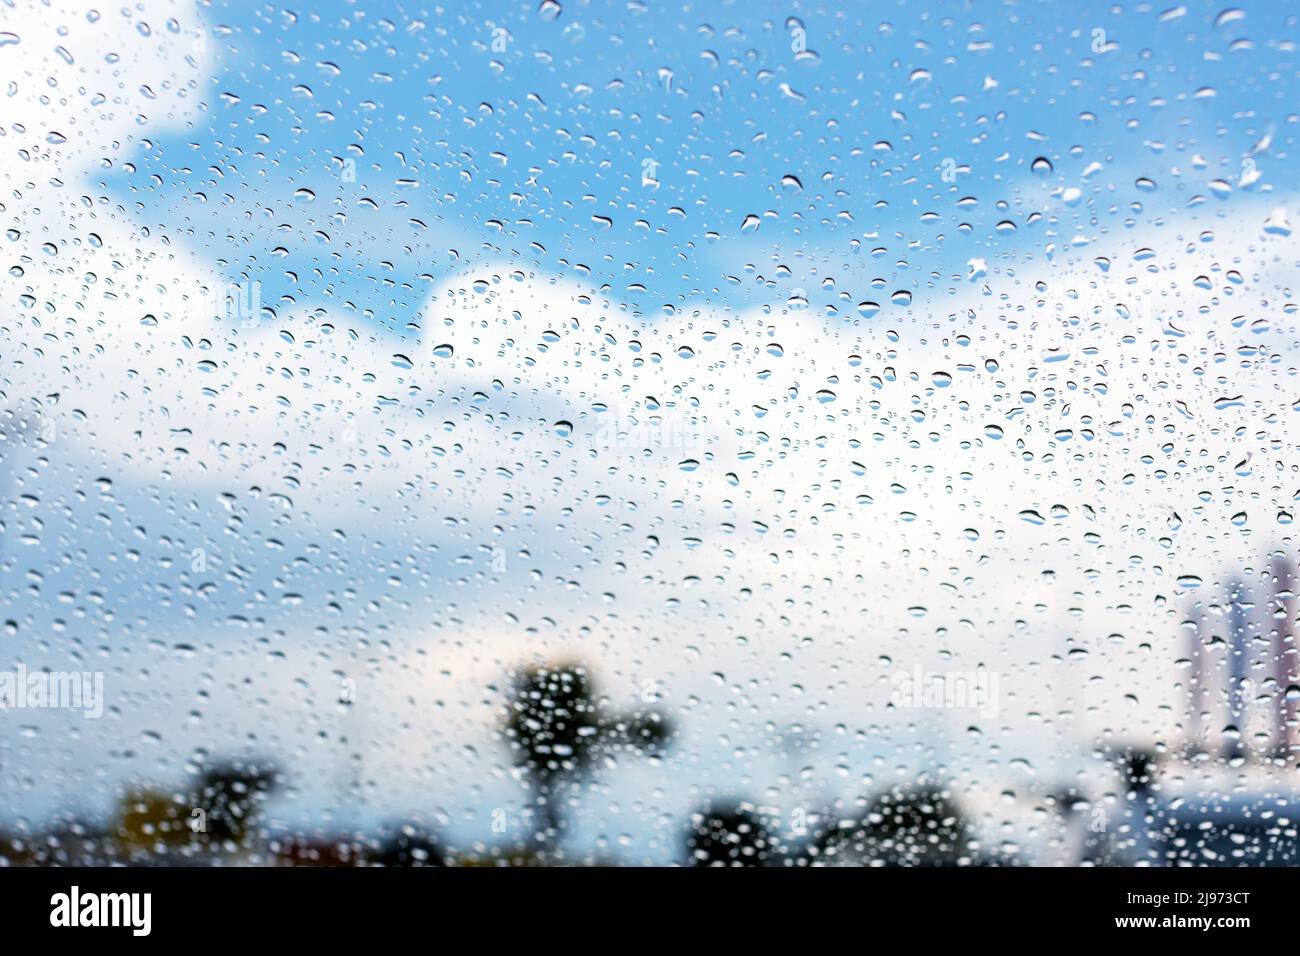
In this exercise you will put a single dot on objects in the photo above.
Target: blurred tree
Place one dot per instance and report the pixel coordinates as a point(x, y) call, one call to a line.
point(409, 846)
point(1138, 770)
point(916, 826)
point(217, 814)
point(729, 835)
point(556, 727)
point(227, 801)
point(150, 821)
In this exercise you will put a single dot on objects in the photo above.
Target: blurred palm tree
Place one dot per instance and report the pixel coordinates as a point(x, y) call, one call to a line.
point(556, 727)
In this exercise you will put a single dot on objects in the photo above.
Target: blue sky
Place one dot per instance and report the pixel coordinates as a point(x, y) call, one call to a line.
point(531, 144)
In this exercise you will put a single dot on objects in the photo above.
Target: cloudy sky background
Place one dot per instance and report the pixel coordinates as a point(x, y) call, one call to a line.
point(874, 418)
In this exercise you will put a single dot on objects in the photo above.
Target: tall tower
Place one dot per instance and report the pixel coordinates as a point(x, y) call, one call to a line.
point(1238, 666)
point(1285, 659)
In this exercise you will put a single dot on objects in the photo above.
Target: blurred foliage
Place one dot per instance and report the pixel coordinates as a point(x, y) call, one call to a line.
point(148, 820)
point(729, 835)
point(409, 846)
point(556, 725)
point(920, 825)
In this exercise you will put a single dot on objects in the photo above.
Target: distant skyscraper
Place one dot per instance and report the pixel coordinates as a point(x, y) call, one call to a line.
point(1286, 661)
point(1238, 666)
